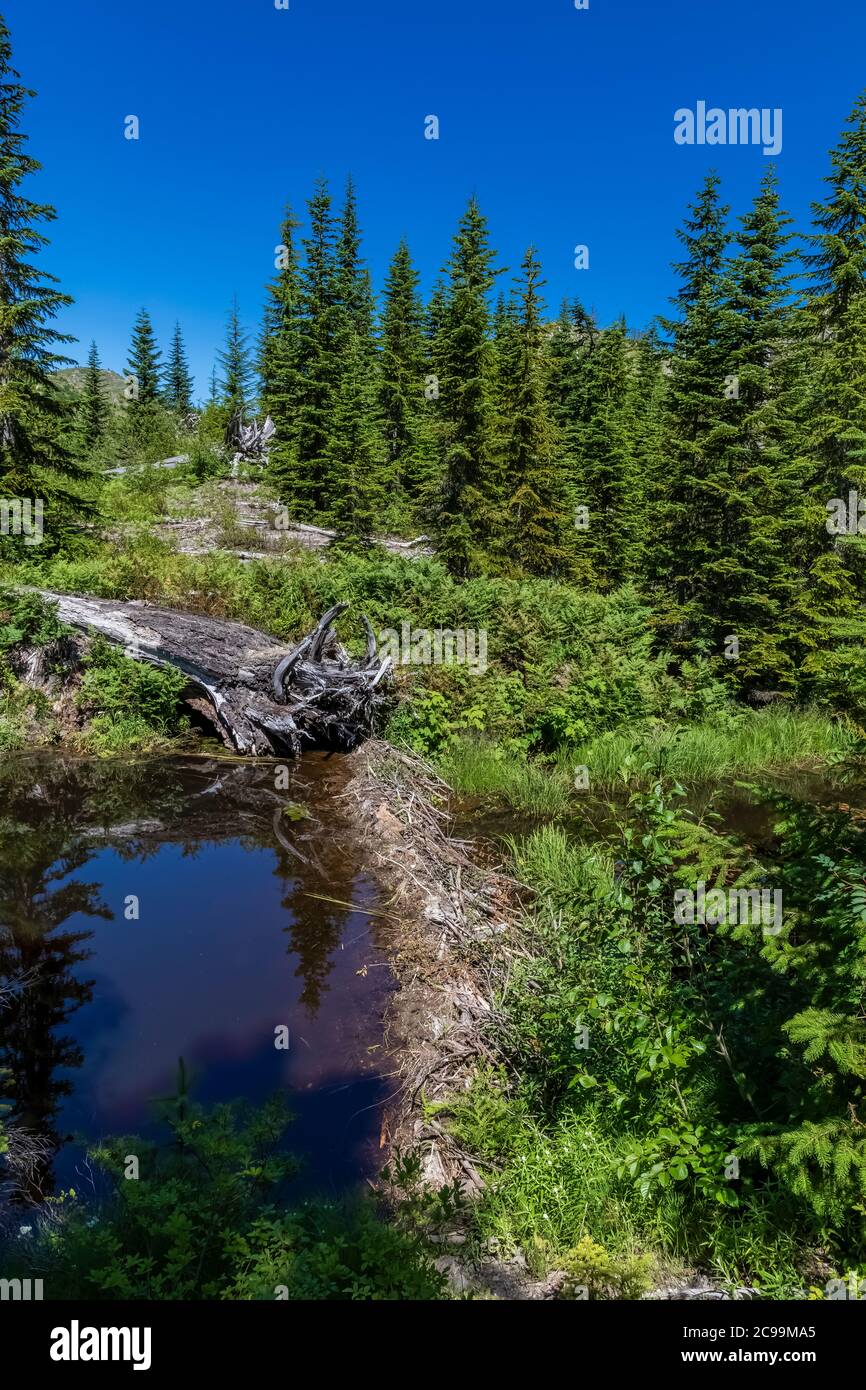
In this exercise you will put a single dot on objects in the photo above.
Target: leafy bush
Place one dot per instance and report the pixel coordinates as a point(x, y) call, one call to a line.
point(593, 1273)
point(128, 704)
point(201, 1220)
point(27, 619)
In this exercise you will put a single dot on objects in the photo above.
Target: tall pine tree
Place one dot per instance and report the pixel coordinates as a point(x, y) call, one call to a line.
point(694, 524)
point(178, 378)
point(237, 373)
point(280, 364)
point(838, 266)
point(355, 421)
point(144, 363)
point(606, 482)
point(463, 363)
point(94, 410)
point(536, 527)
point(34, 463)
point(408, 421)
point(758, 588)
point(321, 366)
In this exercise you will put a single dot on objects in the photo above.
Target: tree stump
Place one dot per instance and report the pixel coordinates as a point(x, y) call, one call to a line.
point(261, 697)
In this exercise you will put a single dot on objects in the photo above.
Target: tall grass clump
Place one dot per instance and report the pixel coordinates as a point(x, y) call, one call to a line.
point(743, 744)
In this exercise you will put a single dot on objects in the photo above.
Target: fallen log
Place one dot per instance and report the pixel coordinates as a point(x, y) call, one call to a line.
point(260, 697)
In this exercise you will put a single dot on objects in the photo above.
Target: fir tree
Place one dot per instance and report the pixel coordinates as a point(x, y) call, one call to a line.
point(573, 337)
point(536, 530)
point(838, 266)
point(834, 413)
point(143, 364)
point(352, 280)
point(319, 326)
point(463, 363)
point(280, 363)
point(760, 533)
point(408, 422)
point(605, 481)
point(94, 410)
point(645, 416)
point(356, 457)
point(34, 464)
point(178, 378)
point(355, 387)
point(696, 411)
point(236, 380)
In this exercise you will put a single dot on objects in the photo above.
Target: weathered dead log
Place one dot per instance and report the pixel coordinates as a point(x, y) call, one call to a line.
point(260, 698)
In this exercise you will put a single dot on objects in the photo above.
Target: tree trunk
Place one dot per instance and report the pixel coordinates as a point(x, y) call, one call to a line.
point(262, 697)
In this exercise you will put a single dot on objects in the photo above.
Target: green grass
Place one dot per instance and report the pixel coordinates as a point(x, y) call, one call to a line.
point(746, 743)
point(742, 744)
point(549, 1186)
point(563, 871)
point(475, 767)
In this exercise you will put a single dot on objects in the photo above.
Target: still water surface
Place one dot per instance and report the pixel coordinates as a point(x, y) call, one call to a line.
point(231, 942)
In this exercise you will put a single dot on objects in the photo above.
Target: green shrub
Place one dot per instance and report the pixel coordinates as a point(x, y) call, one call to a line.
point(593, 1273)
point(202, 1220)
point(128, 705)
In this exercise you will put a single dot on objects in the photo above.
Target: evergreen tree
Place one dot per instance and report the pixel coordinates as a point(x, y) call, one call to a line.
point(280, 363)
point(572, 338)
point(464, 365)
point(408, 422)
point(143, 364)
point(536, 529)
point(355, 388)
point(356, 456)
point(178, 378)
point(34, 463)
point(321, 368)
point(645, 415)
point(693, 525)
point(236, 381)
point(353, 288)
point(605, 481)
point(758, 588)
point(834, 415)
point(94, 411)
point(838, 267)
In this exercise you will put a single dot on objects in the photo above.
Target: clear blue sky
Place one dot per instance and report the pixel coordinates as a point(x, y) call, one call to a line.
point(560, 120)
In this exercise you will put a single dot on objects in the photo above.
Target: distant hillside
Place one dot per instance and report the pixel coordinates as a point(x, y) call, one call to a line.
point(71, 382)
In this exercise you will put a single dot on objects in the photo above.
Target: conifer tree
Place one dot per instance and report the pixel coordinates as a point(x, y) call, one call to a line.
point(280, 363)
point(645, 415)
point(834, 417)
point(536, 527)
point(408, 422)
point(34, 463)
point(355, 387)
point(605, 481)
point(572, 338)
point(144, 362)
point(356, 457)
point(697, 408)
point(321, 368)
point(760, 536)
point(236, 380)
point(352, 279)
point(464, 366)
point(94, 410)
point(838, 266)
point(178, 378)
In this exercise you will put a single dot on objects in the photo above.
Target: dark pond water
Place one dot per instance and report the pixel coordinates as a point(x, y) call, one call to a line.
point(230, 943)
point(734, 808)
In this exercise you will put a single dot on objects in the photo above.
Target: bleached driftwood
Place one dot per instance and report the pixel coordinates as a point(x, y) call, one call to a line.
point(261, 696)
